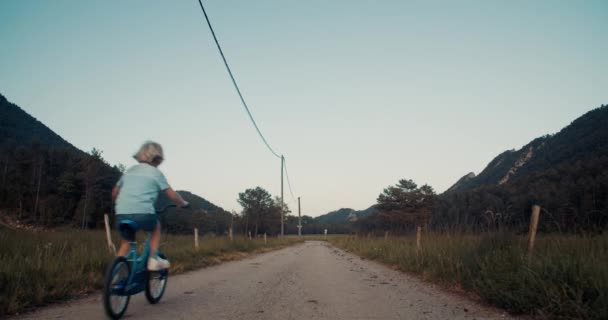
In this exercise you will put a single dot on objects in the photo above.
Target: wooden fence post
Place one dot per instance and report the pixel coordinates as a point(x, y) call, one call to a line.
point(533, 226)
point(196, 238)
point(111, 246)
point(265, 240)
point(249, 235)
point(418, 239)
point(230, 234)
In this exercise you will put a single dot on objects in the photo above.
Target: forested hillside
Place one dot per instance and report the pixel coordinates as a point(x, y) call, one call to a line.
point(566, 173)
point(18, 128)
point(46, 181)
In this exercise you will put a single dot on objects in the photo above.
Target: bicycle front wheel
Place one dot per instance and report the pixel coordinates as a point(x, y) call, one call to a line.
point(115, 300)
point(156, 282)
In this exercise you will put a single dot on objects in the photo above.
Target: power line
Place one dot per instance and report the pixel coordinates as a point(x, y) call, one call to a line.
point(283, 165)
point(288, 183)
point(234, 82)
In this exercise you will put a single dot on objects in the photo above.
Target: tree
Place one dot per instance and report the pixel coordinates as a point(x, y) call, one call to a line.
point(405, 204)
point(259, 211)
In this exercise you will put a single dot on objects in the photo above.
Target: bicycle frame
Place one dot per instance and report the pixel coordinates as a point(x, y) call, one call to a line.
point(136, 282)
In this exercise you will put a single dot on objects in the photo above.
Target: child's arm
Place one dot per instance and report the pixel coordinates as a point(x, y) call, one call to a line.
point(175, 197)
point(115, 192)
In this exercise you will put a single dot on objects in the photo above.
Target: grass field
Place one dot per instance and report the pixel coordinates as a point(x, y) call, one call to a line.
point(48, 266)
point(567, 277)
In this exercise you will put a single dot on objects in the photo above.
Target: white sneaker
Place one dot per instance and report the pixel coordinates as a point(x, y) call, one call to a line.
point(158, 263)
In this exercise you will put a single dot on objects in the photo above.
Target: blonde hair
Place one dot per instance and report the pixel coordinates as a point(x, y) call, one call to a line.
point(150, 152)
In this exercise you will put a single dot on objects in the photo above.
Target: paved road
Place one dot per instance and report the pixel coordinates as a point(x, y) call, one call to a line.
point(309, 281)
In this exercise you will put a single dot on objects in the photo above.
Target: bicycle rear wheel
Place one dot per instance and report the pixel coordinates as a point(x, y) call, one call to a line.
point(115, 302)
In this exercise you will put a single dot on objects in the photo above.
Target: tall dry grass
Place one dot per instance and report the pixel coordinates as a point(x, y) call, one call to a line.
point(47, 266)
point(567, 277)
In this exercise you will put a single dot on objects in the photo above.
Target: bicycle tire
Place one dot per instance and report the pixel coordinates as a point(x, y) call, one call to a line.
point(117, 265)
point(153, 295)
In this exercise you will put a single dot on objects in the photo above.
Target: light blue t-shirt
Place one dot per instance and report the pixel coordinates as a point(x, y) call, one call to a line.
point(139, 189)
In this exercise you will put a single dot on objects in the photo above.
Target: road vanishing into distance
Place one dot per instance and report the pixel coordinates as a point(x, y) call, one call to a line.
point(313, 280)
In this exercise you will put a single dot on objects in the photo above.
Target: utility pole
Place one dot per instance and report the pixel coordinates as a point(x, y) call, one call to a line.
point(282, 203)
point(299, 219)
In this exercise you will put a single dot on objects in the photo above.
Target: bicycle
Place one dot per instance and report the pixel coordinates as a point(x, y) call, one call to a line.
point(127, 276)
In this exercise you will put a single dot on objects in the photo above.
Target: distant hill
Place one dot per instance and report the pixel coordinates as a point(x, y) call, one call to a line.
point(584, 139)
point(344, 215)
point(19, 128)
point(196, 203)
point(201, 214)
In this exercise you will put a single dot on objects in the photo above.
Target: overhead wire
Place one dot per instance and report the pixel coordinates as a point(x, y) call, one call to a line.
point(235, 84)
point(288, 182)
point(238, 91)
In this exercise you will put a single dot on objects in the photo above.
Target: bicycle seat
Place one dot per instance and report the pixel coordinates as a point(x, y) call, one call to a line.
point(128, 226)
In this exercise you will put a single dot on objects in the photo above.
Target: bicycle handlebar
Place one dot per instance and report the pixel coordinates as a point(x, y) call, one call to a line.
point(172, 206)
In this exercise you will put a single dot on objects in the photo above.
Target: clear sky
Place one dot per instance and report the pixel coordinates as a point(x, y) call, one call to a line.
point(355, 94)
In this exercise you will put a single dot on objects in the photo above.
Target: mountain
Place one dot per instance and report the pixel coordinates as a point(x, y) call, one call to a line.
point(462, 183)
point(584, 139)
point(565, 173)
point(344, 215)
point(19, 128)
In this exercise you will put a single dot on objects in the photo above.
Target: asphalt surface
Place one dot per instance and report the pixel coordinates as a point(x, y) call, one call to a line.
point(308, 281)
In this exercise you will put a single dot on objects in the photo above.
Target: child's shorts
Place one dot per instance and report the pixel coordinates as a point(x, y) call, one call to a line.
point(146, 222)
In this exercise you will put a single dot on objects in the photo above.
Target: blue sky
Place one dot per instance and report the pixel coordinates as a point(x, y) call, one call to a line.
point(355, 94)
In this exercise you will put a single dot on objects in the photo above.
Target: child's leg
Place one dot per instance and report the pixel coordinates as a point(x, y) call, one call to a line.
point(155, 262)
point(124, 248)
point(155, 240)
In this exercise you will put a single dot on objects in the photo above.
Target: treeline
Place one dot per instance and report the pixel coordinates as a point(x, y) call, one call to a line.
point(260, 214)
point(55, 186)
point(63, 186)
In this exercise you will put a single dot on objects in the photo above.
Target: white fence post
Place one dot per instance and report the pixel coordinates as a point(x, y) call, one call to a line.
point(196, 238)
point(533, 226)
point(111, 246)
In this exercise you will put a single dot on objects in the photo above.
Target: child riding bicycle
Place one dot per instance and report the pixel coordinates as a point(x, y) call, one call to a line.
point(135, 195)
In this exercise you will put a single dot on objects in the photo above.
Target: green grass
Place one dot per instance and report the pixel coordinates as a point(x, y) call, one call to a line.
point(567, 277)
point(49, 266)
